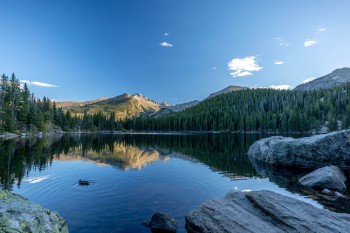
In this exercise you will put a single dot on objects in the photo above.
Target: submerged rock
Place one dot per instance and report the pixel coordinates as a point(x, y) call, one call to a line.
point(162, 223)
point(309, 152)
point(263, 211)
point(329, 177)
point(17, 214)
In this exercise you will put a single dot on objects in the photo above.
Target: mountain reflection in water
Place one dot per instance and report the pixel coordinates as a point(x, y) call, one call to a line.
point(222, 152)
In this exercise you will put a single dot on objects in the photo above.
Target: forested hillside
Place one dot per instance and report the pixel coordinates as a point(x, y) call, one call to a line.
point(261, 110)
point(21, 111)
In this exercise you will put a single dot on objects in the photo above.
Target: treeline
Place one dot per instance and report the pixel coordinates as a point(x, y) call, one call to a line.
point(21, 111)
point(261, 110)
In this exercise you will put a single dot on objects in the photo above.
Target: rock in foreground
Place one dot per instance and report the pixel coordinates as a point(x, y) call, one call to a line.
point(263, 211)
point(162, 223)
point(329, 177)
point(309, 152)
point(17, 214)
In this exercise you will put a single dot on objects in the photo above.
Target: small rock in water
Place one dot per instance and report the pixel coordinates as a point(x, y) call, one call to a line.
point(162, 223)
point(84, 182)
point(329, 177)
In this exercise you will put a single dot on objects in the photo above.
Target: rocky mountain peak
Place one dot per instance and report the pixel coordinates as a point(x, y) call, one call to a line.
point(336, 78)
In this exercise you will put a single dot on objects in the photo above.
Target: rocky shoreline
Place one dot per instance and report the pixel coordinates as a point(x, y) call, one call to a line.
point(308, 152)
point(263, 211)
point(266, 211)
point(18, 214)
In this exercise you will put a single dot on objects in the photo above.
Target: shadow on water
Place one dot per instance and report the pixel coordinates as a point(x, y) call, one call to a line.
point(226, 153)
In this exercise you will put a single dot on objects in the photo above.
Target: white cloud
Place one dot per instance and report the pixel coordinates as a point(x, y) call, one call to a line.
point(322, 29)
point(281, 87)
point(308, 80)
point(309, 43)
point(166, 44)
point(214, 68)
point(36, 83)
point(243, 66)
point(166, 34)
point(279, 62)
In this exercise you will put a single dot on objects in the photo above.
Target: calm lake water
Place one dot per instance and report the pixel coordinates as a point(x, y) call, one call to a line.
point(134, 176)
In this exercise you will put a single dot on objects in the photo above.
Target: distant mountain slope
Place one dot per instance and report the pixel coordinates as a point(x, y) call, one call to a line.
point(128, 106)
point(124, 106)
point(66, 104)
point(183, 106)
point(336, 78)
point(171, 109)
point(227, 90)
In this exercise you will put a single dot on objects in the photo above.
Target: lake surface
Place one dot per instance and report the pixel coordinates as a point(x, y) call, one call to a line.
point(134, 176)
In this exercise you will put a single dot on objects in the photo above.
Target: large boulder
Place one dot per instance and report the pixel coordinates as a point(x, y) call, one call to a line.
point(263, 211)
point(329, 177)
point(162, 223)
point(17, 214)
point(309, 152)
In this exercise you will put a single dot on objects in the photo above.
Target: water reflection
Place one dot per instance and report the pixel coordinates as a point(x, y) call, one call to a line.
point(289, 179)
point(225, 153)
point(222, 152)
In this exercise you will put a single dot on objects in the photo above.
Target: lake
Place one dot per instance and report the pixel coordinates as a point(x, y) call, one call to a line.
point(133, 176)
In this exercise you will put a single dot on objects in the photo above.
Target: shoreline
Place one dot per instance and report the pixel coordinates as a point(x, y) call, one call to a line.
point(130, 132)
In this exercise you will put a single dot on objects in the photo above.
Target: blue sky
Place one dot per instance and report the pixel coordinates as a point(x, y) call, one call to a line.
point(169, 50)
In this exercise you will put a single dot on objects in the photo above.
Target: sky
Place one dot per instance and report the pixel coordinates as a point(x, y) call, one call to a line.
point(169, 50)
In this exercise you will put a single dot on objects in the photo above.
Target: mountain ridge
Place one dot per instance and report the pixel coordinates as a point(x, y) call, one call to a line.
point(335, 78)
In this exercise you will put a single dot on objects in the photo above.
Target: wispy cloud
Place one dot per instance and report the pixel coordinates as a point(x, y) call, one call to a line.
point(214, 68)
point(309, 80)
point(281, 87)
point(166, 34)
point(279, 62)
point(166, 44)
point(281, 42)
point(243, 66)
point(36, 83)
point(322, 29)
point(308, 43)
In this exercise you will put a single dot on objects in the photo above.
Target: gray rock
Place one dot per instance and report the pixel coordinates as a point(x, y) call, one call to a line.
point(17, 214)
point(162, 222)
point(329, 177)
point(263, 211)
point(309, 152)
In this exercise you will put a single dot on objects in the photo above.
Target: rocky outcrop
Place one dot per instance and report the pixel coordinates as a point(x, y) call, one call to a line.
point(336, 78)
point(309, 152)
point(263, 211)
point(162, 223)
point(17, 214)
point(329, 177)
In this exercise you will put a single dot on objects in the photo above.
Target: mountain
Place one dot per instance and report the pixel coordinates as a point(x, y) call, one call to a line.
point(181, 107)
point(171, 109)
point(67, 104)
point(336, 78)
point(124, 106)
point(127, 106)
point(227, 90)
